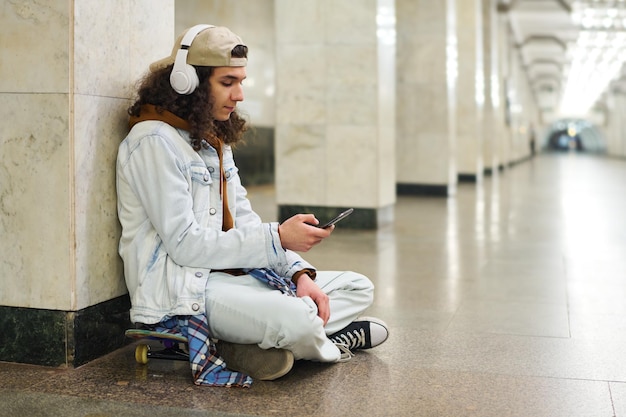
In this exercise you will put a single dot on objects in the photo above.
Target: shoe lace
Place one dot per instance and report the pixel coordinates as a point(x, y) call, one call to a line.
point(354, 339)
point(346, 354)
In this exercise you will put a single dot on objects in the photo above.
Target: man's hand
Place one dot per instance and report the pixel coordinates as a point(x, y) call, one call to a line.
point(297, 234)
point(307, 287)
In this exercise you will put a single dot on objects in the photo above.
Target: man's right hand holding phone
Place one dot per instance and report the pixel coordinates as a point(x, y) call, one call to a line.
point(300, 233)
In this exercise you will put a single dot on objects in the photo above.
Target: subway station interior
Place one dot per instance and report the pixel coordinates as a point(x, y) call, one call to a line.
point(481, 143)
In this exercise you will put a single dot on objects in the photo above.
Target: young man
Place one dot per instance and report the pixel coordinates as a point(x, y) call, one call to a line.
point(197, 258)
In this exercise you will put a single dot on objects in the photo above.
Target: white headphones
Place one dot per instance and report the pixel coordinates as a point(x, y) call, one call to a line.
point(184, 79)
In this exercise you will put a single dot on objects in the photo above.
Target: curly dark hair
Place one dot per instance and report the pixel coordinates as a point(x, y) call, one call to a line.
point(195, 108)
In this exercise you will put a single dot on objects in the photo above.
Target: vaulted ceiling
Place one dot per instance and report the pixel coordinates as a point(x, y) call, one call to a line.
point(546, 32)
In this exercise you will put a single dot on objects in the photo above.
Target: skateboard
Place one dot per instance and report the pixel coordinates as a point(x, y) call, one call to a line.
point(174, 345)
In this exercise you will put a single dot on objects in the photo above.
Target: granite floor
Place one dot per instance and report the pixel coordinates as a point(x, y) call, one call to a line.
point(505, 300)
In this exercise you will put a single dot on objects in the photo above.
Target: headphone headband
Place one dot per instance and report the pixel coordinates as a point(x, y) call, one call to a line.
point(192, 33)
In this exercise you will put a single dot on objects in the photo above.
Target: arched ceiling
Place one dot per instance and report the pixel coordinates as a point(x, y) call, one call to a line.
point(546, 35)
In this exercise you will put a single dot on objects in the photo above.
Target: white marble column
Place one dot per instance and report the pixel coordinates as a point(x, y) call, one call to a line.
point(616, 126)
point(426, 93)
point(506, 49)
point(65, 80)
point(621, 132)
point(523, 111)
point(470, 90)
point(335, 109)
point(493, 115)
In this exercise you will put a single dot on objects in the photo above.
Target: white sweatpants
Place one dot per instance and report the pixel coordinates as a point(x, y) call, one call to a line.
point(242, 309)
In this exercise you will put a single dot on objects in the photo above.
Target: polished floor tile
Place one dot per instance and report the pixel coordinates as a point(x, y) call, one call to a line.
point(504, 300)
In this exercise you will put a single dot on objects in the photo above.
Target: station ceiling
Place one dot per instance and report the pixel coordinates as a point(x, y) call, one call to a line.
point(572, 51)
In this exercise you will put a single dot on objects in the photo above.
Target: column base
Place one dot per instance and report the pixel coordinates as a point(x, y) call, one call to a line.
point(468, 178)
point(63, 338)
point(361, 218)
point(436, 190)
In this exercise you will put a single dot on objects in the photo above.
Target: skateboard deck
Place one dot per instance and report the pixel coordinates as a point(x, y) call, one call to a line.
point(174, 345)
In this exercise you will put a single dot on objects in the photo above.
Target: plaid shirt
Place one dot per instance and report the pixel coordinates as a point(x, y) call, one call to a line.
point(272, 279)
point(207, 367)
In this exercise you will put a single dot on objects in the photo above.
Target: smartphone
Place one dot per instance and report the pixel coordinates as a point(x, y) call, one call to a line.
point(341, 216)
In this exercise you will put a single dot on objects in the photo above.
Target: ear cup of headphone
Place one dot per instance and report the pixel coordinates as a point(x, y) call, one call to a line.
point(184, 79)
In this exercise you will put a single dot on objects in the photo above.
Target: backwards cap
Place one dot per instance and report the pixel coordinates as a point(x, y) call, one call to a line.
point(211, 47)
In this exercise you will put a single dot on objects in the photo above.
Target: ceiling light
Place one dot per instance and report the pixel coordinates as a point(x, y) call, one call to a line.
point(597, 56)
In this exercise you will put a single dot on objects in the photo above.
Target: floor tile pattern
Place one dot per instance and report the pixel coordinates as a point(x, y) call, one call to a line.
point(504, 300)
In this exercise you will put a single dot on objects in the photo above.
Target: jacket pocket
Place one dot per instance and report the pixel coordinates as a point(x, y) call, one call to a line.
point(201, 184)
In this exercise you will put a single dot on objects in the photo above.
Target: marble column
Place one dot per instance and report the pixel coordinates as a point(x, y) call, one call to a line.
point(426, 96)
point(506, 48)
point(523, 110)
point(65, 82)
point(335, 109)
point(492, 120)
point(470, 91)
point(515, 98)
point(621, 132)
point(615, 125)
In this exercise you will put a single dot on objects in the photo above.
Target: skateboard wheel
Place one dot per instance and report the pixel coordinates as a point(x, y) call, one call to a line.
point(141, 354)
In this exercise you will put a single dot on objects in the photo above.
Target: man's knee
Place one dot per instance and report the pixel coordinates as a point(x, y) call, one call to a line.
point(298, 322)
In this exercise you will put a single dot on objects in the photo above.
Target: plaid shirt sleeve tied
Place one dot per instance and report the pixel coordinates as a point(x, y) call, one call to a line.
point(274, 280)
point(207, 367)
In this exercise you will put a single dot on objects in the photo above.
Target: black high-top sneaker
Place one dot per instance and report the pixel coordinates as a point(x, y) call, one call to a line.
point(363, 333)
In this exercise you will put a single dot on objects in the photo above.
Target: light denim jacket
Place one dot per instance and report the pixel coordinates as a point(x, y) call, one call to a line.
point(170, 210)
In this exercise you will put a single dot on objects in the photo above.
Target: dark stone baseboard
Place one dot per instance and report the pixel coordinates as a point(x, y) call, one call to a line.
point(422, 189)
point(361, 218)
point(468, 177)
point(63, 338)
